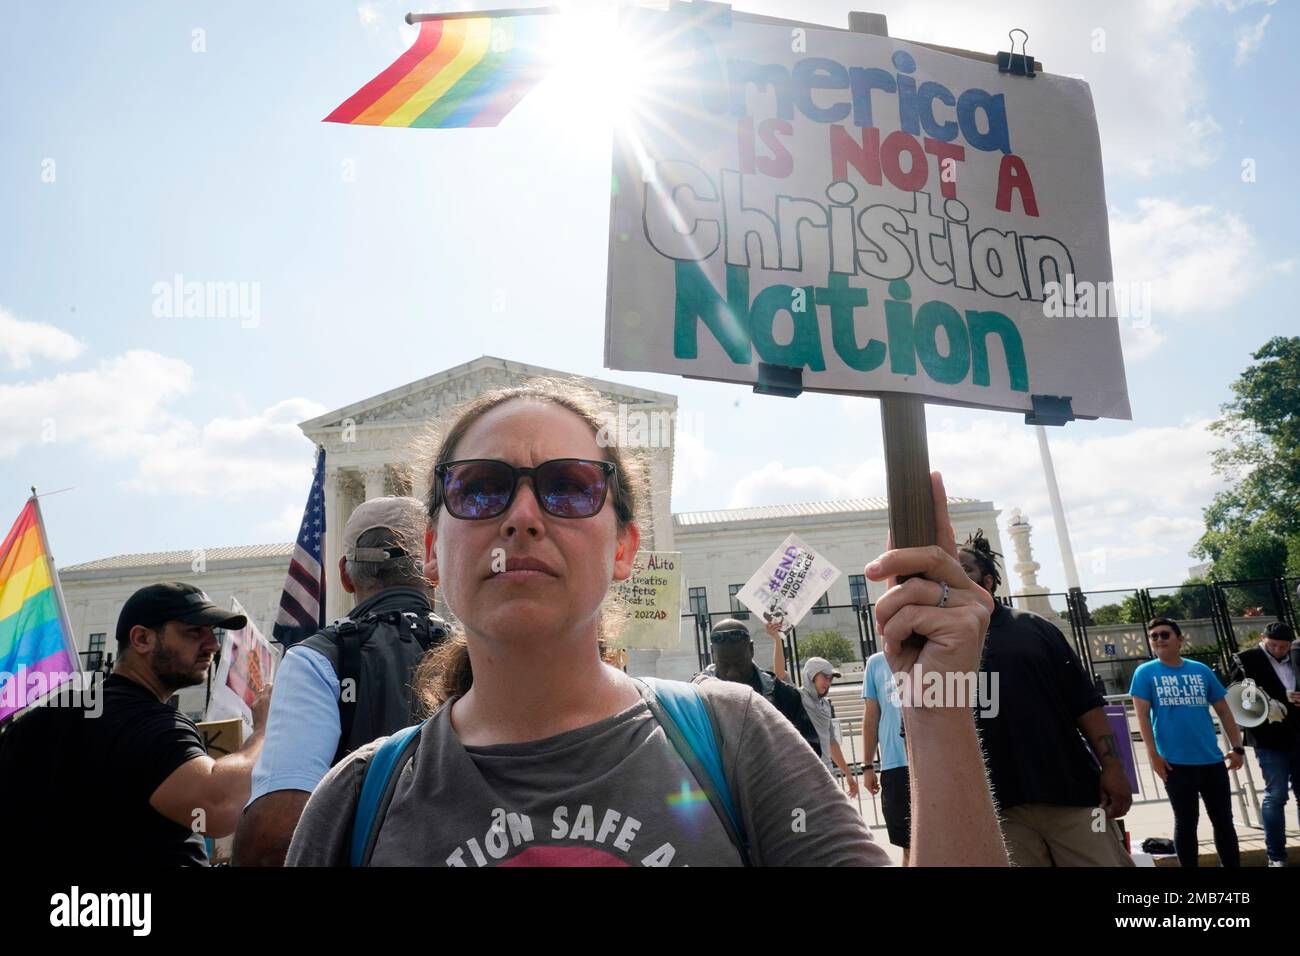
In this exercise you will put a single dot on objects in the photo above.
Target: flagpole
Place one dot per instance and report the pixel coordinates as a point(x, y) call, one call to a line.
point(1058, 511)
point(66, 618)
point(414, 18)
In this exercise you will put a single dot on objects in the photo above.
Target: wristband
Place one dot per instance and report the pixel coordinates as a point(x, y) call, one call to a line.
point(1239, 751)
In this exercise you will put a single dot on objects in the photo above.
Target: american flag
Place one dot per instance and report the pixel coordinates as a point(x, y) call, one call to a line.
point(302, 605)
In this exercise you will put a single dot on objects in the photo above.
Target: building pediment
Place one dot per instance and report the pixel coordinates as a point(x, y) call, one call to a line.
point(430, 398)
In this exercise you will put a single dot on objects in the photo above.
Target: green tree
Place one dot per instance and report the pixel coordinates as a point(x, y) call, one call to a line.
point(1252, 529)
point(832, 645)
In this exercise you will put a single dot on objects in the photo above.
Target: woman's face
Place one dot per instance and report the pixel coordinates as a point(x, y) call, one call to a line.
point(474, 560)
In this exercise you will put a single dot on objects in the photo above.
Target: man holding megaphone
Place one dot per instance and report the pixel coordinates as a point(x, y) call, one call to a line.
point(1273, 667)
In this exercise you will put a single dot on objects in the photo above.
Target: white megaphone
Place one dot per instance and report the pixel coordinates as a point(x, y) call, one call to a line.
point(1251, 707)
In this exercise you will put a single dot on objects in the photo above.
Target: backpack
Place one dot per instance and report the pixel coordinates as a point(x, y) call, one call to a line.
point(348, 636)
point(685, 715)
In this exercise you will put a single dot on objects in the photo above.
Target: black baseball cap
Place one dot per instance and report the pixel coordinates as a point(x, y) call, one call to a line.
point(157, 604)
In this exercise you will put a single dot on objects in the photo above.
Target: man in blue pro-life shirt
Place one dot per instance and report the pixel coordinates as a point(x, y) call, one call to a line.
point(1173, 697)
point(882, 721)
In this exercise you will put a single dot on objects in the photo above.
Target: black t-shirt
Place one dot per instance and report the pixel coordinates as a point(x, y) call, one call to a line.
point(1033, 747)
point(80, 785)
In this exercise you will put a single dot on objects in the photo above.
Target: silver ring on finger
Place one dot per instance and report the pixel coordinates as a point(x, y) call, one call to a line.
point(943, 598)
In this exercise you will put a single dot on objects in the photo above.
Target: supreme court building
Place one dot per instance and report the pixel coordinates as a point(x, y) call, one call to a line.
point(369, 451)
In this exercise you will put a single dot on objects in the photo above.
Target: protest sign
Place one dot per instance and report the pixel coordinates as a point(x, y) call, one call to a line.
point(789, 582)
point(247, 664)
point(882, 216)
point(222, 737)
point(653, 597)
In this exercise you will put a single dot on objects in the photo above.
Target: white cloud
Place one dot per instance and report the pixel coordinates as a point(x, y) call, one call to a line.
point(775, 483)
point(1133, 500)
point(693, 460)
point(110, 408)
point(231, 457)
point(1197, 260)
point(1232, 6)
point(283, 527)
point(21, 341)
point(1136, 55)
point(121, 412)
point(1249, 38)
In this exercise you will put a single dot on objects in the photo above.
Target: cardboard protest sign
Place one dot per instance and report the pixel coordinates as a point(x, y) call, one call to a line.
point(222, 737)
point(247, 664)
point(883, 216)
point(789, 582)
point(653, 597)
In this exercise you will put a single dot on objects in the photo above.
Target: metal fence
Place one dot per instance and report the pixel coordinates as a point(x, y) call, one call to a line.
point(1108, 629)
point(844, 633)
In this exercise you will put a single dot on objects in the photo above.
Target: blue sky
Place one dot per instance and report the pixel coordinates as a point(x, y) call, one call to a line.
point(164, 139)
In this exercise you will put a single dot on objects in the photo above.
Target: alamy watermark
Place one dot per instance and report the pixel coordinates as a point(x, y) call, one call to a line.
point(76, 908)
point(1090, 300)
point(183, 298)
point(931, 689)
point(634, 427)
point(67, 689)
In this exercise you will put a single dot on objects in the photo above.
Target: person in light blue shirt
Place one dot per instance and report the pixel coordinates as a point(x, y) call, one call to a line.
point(348, 684)
point(882, 723)
point(306, 720)
point(1173, 697)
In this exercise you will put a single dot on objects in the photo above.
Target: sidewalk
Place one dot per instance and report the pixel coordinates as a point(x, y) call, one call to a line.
point(1153, 817)
point(1142, 821)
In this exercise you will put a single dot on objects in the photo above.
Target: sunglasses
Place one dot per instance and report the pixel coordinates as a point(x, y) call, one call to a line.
point(480, 488)
point(1163, 635)
point(728, 637)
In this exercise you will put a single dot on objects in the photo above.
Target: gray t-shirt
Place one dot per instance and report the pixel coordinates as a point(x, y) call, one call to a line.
point(614, 793)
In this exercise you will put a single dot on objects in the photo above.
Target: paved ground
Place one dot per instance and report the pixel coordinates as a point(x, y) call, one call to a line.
point(1152, 817)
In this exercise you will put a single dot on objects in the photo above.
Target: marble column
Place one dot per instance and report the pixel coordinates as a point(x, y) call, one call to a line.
point(375, 477)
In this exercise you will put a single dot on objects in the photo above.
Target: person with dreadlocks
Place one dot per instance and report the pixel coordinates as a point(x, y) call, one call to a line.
point(1052, 758)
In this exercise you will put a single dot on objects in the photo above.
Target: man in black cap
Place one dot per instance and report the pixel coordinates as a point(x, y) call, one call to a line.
point(136, 763)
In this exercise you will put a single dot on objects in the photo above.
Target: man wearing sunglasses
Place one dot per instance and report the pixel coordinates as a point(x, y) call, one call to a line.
point(1173, 697)
point(732, 651)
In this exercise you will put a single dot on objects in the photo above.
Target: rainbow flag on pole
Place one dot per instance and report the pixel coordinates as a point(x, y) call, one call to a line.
point(461, 71)
point(37, 652)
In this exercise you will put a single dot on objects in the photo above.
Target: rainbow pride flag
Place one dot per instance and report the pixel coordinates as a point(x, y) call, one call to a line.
point(461, 71)
point(37, 653)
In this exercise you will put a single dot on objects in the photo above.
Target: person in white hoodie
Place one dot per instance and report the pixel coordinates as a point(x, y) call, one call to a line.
point(818, 675)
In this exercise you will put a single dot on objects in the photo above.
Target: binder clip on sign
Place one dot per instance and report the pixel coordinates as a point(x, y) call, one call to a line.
point(1017, 64)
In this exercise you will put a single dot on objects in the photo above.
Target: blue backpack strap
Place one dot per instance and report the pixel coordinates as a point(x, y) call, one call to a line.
point(377, 787)
point(689, 723)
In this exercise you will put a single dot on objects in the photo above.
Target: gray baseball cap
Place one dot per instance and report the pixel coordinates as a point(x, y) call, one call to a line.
point(405, 517)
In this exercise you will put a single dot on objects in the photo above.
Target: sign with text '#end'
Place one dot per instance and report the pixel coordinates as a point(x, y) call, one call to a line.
point(885, 217)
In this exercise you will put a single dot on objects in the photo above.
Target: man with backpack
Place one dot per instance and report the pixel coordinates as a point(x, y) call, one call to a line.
point(350, 683)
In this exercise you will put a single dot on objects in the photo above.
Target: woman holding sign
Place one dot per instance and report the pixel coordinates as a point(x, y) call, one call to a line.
point(538, 754)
